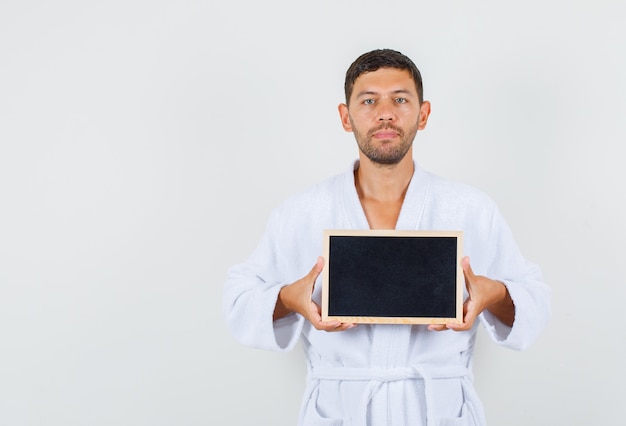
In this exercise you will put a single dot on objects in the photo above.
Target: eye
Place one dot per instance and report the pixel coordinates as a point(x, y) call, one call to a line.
point(368, 101)
point(401, 100)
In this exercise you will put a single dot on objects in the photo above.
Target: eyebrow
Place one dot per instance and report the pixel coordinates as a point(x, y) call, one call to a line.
point(394, 92)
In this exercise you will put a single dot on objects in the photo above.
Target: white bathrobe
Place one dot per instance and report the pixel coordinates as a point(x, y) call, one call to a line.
point(383, 374)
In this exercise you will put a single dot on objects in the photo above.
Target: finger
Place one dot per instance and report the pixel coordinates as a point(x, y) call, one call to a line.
point(343, 327)
point(467, 324)
point(471, 313)
point(316, 269)
point(319, 324)
point(469, 317)
point(467, 269)
point(332, 326)
point(458, 327)
point(327, 325)
point(316, 314)
point(317, 321)
point(437, 327)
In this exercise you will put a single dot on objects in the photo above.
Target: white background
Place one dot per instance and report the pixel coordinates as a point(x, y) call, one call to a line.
point(144, 143)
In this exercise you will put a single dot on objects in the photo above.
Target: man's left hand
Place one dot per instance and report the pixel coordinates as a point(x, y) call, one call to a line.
point(484, 293)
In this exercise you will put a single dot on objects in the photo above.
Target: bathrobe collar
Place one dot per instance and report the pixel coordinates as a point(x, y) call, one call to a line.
point(412, 207)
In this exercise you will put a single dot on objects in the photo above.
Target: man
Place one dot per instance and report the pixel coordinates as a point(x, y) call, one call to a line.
point(385, 374)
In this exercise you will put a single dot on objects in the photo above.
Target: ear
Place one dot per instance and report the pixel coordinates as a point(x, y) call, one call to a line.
point(423, 117)
point(345, 117)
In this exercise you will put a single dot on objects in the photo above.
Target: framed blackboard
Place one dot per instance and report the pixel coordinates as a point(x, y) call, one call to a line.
point(393, 277)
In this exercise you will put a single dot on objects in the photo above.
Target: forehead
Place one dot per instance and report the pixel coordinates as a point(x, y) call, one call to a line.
point(384, 80)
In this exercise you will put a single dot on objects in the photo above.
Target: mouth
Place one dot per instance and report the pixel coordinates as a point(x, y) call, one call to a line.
point(385, 134)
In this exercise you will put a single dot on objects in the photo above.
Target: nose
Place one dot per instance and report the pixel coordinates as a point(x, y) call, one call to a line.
point(385, 112)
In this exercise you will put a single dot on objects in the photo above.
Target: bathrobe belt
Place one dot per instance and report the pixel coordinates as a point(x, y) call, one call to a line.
point(378, 376)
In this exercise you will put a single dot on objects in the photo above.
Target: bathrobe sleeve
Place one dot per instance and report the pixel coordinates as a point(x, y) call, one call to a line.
point(250, 295)
point(524, 282)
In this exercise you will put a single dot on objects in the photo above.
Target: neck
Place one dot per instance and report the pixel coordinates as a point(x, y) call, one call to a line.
point(383, 183)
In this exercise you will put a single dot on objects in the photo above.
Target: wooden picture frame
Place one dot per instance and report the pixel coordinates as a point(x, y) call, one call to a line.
point(392, 277)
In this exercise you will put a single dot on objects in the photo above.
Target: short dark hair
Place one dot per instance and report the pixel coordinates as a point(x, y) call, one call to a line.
point(381, 58)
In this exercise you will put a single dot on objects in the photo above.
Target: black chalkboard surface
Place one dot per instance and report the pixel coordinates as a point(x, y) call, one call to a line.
point(383, 276)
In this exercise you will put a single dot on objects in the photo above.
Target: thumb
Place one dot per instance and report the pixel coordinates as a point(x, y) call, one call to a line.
point(316, 269)
point(467, 272)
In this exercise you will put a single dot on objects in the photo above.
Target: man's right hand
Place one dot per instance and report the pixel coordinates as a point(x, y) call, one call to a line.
point(296, 297)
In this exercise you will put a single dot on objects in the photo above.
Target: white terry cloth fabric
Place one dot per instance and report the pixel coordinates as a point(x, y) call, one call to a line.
point(383, 373)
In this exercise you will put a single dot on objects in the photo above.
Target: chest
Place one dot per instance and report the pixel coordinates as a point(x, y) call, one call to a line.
point(381, 215)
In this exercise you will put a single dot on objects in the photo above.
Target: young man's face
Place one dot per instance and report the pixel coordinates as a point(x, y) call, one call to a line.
point(384, 114)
